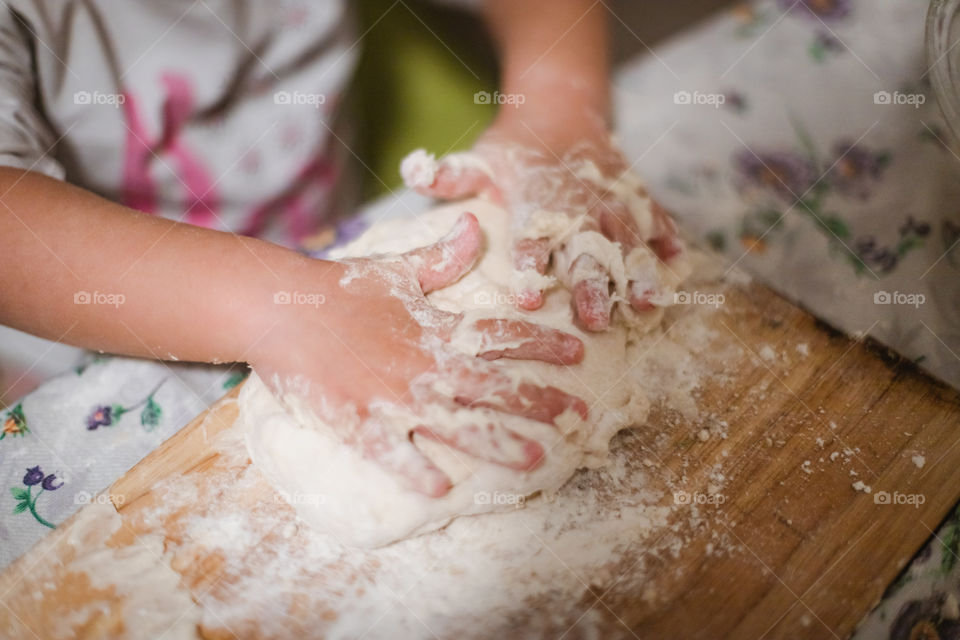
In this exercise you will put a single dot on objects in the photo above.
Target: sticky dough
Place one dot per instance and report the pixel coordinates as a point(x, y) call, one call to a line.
point(337, 491)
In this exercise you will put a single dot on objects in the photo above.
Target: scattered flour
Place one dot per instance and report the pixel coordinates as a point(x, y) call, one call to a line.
point(479, 577)
point(143, 591)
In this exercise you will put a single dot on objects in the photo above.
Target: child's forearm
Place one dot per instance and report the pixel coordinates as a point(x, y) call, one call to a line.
point(79, 269)
point(555, 54)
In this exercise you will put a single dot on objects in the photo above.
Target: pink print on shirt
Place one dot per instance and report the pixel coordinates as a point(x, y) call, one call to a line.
point(299, 205)
point(144, 150)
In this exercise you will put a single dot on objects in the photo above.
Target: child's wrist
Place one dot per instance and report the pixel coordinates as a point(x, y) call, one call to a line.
point(303, 297)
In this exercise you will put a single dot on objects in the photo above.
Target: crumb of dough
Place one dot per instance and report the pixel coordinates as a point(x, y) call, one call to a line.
point(419, 169)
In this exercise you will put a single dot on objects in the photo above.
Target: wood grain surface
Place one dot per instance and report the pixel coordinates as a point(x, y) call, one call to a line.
point(794, 550)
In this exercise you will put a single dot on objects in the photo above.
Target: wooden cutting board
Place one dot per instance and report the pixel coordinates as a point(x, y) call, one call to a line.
point(807, 555)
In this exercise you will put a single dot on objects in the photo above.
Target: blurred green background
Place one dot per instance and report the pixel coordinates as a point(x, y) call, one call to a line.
point(420, 67)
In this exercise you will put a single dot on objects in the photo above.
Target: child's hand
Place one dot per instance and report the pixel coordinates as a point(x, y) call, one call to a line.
point(380, 365)
point(584, 178)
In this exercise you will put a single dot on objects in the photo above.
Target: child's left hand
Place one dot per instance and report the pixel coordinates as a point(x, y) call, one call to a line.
point(576, 172)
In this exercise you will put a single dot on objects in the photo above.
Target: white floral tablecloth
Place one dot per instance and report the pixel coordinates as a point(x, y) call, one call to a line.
point(798, 137)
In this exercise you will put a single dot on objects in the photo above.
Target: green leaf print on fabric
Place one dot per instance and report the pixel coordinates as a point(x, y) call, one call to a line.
point(98, 359)
point(824, 45)
point(950, 540)
point(234, 379)
point(151, 414)
point(717, 240)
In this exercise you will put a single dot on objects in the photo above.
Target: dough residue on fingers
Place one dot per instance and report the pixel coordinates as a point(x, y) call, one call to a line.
point(338, 491)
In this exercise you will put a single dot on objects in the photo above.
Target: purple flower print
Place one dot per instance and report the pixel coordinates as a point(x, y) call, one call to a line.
point(911, 226)
point(785, 173)
point(52, 482)
point(856, 169)
point(874, 255)
point(27, 499)
point(33, 476)
point(101, 416)
point(826, 10)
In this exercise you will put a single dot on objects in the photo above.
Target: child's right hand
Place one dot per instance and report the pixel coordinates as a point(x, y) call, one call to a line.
point(376, 349)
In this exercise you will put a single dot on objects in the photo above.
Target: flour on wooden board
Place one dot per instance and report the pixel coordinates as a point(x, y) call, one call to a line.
point(265, 573)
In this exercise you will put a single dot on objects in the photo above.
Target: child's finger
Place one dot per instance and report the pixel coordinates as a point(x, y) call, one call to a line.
point(531, 255)
point(414, 469)
point(447, 260)
point(617, 224)
point(645, 284)
point(641, 295)
point(456, 176)
point(454, 183)
point(543, 404)
point(519, 340)
point(492, 442)
point(590, 286)
point(665, 241)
